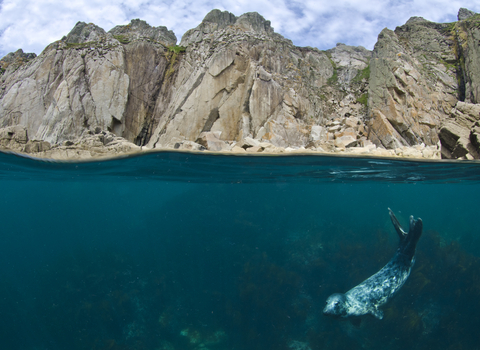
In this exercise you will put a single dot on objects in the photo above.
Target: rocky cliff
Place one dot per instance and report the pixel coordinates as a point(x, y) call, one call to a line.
point(233, 83)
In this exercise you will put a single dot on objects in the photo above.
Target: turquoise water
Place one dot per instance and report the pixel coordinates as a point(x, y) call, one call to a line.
point(196, 251)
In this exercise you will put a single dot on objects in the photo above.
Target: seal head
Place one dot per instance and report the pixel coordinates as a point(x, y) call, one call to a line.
point(336, 305)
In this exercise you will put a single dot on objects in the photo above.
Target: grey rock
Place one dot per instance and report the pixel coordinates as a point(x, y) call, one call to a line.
point(410, 90)
point(416, 19)
point(34, 146)
point(138, 29)
point(475, 137)
point(467, 37)
point(255, 149)
point(464, 13)
point(254, 22)
point(13, 138)
point(17, 55)
point(459, 141)
point(318, 133)
point(83, 33)
point(212, 142)
point(345, 141)
point(217, 20)
point(220, 18)
point(189, 146)
point(349, 60)
point(459, 136)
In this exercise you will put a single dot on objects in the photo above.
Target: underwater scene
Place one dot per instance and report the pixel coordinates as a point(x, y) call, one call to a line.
point(183, 251)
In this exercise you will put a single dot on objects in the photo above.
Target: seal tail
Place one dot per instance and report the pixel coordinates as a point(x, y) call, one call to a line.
point(408, 241)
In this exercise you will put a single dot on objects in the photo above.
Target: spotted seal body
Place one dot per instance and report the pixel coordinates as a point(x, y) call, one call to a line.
point(368, 296)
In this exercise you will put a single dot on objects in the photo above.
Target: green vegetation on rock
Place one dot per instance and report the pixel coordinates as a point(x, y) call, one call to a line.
point(80, 45)
point(363, 74)
point(363, 99)
point(122, 39)
point(176, 49)
point(334, 78)
point(172, 54)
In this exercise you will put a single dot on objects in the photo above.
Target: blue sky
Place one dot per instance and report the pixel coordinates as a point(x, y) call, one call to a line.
point(33, 24)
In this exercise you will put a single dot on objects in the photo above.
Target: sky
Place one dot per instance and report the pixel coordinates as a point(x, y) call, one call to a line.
point(33, 24)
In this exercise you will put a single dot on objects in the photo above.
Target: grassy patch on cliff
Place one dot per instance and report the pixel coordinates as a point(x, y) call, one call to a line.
point(176, 49)
point(448, 65)
point(334, 78)
point(363, 99)
point(81, 45)
point(172, 54)
point(363, 74)
point(122, 39)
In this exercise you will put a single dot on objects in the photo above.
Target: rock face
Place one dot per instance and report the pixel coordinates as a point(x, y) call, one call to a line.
point(412, 86)
point(233, 78)
point(240, 78)
point(87, 80)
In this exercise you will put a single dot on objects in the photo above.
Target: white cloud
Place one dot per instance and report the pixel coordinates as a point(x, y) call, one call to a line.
point(33, 24)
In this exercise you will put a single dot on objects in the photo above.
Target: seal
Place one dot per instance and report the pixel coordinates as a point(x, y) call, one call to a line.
point(368, 296)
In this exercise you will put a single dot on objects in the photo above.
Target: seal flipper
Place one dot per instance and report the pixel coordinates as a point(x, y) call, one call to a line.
point(408, 241)
point(401, 233)
point(414, 233)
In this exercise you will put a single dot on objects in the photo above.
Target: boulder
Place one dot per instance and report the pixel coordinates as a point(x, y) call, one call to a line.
point(16, 133)
point(255, 149)
point(318, 133)
point(35, 146)
point(455, 141)
point(189, 146)
point(211, 142)
point(345, 141)
point(13, 138)
point(459, 136)
point(248, 142)
point(237, 149)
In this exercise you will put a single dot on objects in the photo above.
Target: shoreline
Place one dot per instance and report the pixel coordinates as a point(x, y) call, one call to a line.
point(74, 155)
point(102, 145)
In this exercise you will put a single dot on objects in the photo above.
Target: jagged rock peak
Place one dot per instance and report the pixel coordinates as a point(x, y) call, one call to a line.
point(464, 13)
point(221, 18)
point(17, 55)
point(249, 21)
point(416, 19)
point(137, 29)
point(83, 32)
point(254, 21)
point(217, 20)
